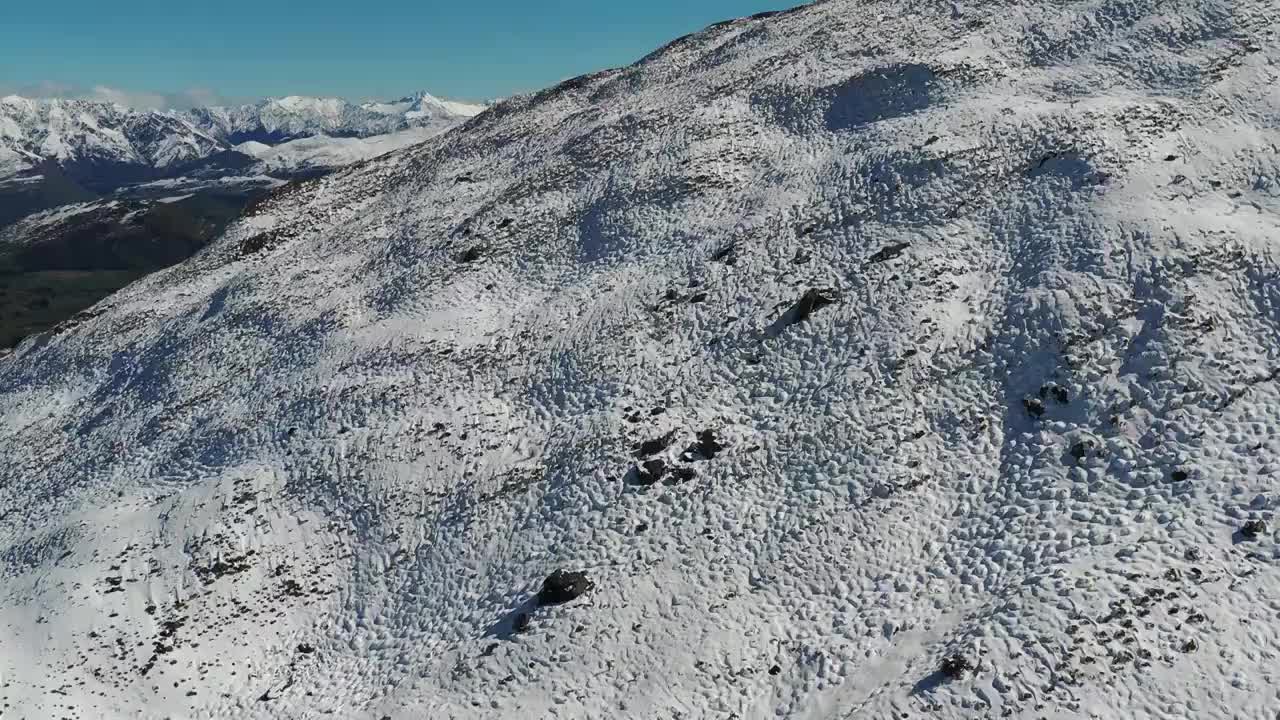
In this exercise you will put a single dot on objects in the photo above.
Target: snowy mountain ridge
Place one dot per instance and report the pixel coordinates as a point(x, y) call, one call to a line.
point(281, 119)
point(95, 138)
point(873, 359)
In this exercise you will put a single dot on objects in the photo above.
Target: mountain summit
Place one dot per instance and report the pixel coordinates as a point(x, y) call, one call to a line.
point(873, 359)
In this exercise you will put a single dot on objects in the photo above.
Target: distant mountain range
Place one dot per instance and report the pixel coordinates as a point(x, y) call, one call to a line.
point(103, 145)
point(94, 195)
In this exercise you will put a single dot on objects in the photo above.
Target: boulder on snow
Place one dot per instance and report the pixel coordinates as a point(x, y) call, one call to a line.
point(681, 474)
point(814, 299)
point(705, 449)
point(1253, 529)
point(648, 472)
point(955, 666)
point(1058, 393)
point(561, 587)
point(655, 446)
point(1034, 406)
point(888, 253)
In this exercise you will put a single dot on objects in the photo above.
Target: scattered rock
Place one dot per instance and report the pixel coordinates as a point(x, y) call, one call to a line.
point(681, 474)
point(1057, 392)
point(1192, 554)
point(955, 666)
point(1253, 529)
point(888, 253)
point(727, 254)
point(813, 299)
point(802, 256)
point(650, 472)
point(257, 243)
point(561, 587)
point(655, 446)
point(1190, 645)
point(707, 447)
point(1034, 406)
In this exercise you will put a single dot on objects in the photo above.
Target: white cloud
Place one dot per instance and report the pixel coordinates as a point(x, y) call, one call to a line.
point(139, 100)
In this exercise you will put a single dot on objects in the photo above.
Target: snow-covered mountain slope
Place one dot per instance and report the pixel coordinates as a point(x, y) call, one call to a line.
point(321, 151)
point(278, 120)
point(423, 108)
point(954, 326)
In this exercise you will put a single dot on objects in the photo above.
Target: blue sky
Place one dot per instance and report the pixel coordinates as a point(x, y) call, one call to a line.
point(240, 49)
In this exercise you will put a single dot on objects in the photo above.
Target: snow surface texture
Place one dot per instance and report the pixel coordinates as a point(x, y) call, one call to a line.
point(324, 466)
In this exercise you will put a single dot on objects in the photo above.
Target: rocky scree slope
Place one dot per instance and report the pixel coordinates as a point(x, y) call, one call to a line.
point(872, 359)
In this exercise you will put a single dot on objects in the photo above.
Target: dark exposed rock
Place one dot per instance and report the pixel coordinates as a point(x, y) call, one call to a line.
point(681, 474)
point(655, 446)
point(562, 587)
point(1190, 645)
point(888, 253)
point(306, 649)
point(813, 299)
point(650, 472)
point(1034, 406)
point(1192, 554)
point(775, 670)
point(698, 297)
point(1178, 475)
point(955, 666)
point(706, 448)
point(257, 243)
point(1057, 392)
point(1081, 450)
point(727, 254)
point(471, 254)
point(1253, 529)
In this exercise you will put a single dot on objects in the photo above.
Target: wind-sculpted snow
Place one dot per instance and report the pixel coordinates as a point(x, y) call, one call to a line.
point(872, 359)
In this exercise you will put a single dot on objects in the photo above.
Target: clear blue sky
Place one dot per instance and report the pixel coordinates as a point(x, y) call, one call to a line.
point(471, 49)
